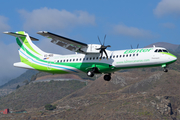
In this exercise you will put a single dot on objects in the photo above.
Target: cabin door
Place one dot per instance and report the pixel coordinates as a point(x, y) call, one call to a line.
point(49, 65)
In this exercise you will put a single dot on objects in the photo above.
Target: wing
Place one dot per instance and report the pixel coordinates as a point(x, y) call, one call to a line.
point(64, 42)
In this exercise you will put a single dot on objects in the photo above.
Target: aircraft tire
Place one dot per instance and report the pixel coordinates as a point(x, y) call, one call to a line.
point(107, 77)
point(165, 70)
point(90, 74)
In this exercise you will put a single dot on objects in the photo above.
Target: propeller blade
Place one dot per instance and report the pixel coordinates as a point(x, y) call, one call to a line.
point(101, 52)
point(99, 40)
point(137, 45)
point(102, 48)
point(108, 46)
point(106, 54)
point(98, 48)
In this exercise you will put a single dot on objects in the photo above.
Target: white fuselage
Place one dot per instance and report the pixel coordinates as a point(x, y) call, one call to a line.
point(121, 58)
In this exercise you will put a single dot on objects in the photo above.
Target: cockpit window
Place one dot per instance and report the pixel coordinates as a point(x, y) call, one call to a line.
point(159, 50)
point(165, 51)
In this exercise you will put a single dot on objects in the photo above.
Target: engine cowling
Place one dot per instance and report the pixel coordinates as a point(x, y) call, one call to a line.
point(92, 48)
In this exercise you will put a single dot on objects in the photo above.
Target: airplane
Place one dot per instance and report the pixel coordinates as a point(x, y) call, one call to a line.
point(89, 58)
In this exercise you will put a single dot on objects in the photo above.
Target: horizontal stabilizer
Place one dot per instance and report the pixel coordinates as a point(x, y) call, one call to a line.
point(20, 35)
point(22, 65)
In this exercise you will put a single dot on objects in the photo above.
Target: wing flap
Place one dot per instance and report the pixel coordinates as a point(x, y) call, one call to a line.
point(64, 42)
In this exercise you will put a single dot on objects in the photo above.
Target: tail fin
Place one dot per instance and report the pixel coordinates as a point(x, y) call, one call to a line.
point(27, 48)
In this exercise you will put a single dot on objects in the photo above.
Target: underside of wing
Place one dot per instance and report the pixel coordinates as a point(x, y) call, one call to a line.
point(64, 42)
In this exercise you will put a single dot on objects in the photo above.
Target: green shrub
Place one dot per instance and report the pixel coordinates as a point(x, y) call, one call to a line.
point(50, 107)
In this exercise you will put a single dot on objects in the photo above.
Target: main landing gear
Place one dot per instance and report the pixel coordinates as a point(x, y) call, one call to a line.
point(165, 69)
point(107, 77)
point(90, 73)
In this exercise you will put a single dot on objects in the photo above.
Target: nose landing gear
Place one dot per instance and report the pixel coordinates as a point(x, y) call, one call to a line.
point(165, 68)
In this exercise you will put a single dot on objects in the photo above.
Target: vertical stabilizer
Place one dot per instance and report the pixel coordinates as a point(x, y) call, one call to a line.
point(27, 49)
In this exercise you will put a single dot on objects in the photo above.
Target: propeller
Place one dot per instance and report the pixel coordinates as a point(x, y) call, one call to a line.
point(103, 48)
point(137, 46)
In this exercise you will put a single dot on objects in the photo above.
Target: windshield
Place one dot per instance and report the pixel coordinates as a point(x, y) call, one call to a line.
point(161, 50)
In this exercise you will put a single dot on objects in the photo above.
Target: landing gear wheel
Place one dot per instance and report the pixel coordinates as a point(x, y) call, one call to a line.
point(107, 77)
point(90, 74)
point(165, 70)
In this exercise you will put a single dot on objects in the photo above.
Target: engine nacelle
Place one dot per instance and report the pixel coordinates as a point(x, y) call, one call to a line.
point(92, 48)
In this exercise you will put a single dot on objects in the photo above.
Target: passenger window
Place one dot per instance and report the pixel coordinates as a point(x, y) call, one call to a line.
point(93, 58)
point(70, 60)
point(61, 61)
point(64, 60)
point(120, 56)
point(136, 54)
point(123, 55)
point(67, 60)
point(90, 58)
point(159, 50)
point(97, 58)
point(114, 56)
point(133, 54)
point(83, 59)
point(117, 56)
point(86, 58)
point(130, 55)
point(73, 59)
point(103, 57)
point(57, 60)
point(126, 55)
point(80, 59)
point(76, 59)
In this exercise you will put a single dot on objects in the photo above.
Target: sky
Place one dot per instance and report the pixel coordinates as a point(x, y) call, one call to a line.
point(124, 22)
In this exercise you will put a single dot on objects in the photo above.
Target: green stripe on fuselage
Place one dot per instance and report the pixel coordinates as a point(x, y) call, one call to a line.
point(25, 41)
point(168, 54)
point(42, 68)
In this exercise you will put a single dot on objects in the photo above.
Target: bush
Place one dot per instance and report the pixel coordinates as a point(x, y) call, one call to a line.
point(50, 107)
point(18, 86)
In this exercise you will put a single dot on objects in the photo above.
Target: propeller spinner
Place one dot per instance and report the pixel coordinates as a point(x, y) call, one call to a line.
point(103, 48)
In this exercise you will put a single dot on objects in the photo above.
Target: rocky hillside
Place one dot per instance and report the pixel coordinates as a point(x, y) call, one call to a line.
point(130, 95)
point(38, 94)
point(169, 46)
point(12, 84)
point(138, 94)
point(32, 75)
point(19, 80)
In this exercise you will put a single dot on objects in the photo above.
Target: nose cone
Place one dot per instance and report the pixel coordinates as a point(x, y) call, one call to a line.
point(173, 58)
